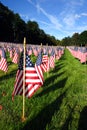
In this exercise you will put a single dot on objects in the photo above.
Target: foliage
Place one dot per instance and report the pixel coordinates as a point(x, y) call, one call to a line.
point(60, 104)
point(75, 39)
point(6, 20)
point(66, 41)
point(83, 38)
point(14, 29)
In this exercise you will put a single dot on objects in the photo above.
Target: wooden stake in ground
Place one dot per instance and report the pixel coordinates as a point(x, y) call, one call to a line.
point(24, 60)
point(47, 61)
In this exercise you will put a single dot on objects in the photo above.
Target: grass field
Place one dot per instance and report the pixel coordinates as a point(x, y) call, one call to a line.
point(60, 104)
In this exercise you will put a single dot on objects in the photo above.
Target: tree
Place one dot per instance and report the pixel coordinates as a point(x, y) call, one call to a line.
point(19, 27)
point(75, 39)
point(6, 18)
point(83, 38)
point(33, 32)
point(66, 41)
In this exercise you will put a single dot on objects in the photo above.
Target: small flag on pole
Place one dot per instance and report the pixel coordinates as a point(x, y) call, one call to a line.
point(33, 78)
point(3, 61)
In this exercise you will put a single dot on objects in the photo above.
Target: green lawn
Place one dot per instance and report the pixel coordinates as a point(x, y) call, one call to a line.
point(60, 104)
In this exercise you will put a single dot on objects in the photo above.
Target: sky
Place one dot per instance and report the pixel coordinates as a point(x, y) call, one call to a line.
point(59, 18)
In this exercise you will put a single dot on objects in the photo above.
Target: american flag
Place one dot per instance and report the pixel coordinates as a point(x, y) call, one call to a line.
point(3, 61)
point(52, 59)
point(38, 67)
point(45, 61)
point(18, 87)
point(32, 79)
point(34, 76)
point(16, 56)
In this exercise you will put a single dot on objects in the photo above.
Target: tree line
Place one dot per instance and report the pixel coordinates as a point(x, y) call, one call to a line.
point(14, 29)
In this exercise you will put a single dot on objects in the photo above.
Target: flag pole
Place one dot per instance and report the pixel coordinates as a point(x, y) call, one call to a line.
point(24, 60)
point(48, 63)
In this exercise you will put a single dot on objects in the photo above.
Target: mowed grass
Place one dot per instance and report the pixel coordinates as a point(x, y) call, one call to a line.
point(60, 104)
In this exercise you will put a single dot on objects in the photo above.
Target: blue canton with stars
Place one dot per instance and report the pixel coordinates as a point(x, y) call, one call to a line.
point(28, 62)
point(3, 53)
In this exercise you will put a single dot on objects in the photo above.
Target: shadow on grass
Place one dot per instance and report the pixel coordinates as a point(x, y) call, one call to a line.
point(10, 63)
point(52, 83)
point(55, 73)
point(66, 124)
point(45, 116)
point(57, 68)
point(83, 119)
point(53, 87)
point(52, 78)
point(7, 76)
